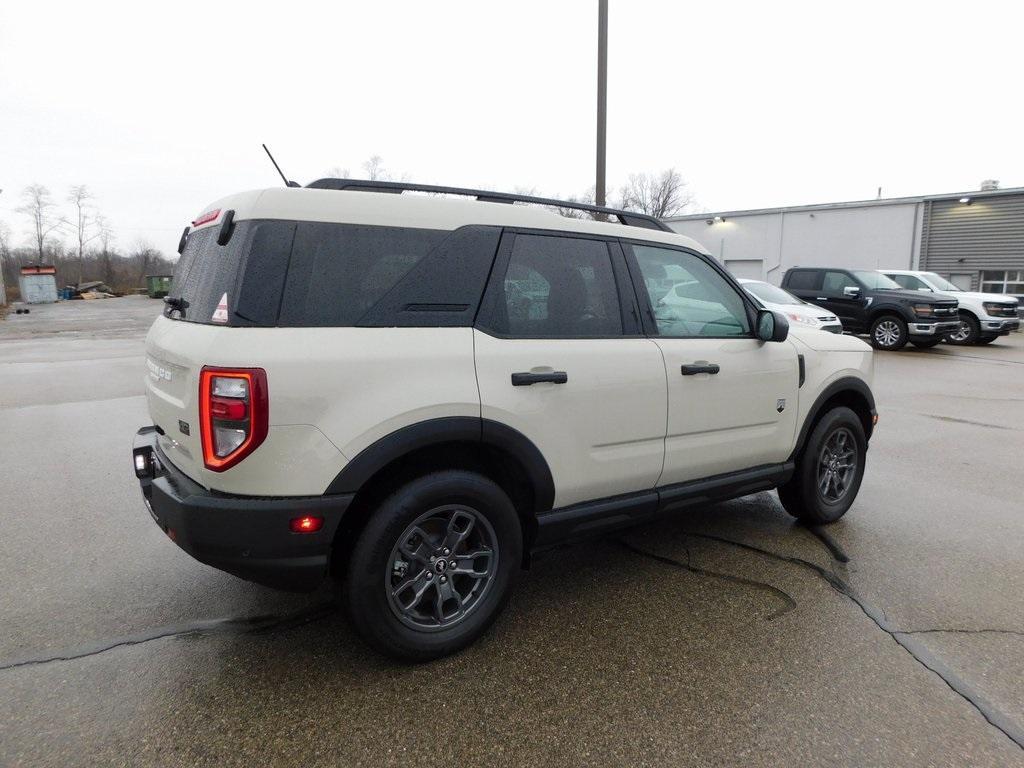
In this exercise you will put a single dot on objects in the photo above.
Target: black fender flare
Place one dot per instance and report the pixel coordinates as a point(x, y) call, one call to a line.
point(449, 429)
point(845, 384)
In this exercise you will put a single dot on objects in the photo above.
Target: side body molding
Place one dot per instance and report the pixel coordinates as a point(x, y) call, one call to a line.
point(439, 432)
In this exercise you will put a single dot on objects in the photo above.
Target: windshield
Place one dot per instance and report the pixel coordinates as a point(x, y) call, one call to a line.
point(940, 283)
point(771, 294)
point(875, 280)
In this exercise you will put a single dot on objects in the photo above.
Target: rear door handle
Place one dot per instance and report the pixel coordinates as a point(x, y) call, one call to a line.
point(526, 379)
point(693, 370)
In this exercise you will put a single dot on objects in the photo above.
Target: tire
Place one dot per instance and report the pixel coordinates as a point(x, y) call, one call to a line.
point(838, 433)
point(405, 540)
point(926, 343)
point(968, 333)
point(987, 339)
point(889, 332)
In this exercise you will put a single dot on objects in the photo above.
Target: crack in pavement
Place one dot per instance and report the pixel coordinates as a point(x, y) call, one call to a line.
point(955, 420)
point(955, 631)
point(789, 603)
point(240, 625)
point(905, 640)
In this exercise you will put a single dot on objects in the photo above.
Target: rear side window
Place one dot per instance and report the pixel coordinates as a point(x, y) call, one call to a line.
point(339, 272)
point(557, 287)
point(804, 280)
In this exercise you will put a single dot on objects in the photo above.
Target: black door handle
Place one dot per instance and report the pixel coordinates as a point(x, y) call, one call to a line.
point(526, 379)
point(693, 370)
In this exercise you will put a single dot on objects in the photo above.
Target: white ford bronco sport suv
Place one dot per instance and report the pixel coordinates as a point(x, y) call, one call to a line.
point(414, 392)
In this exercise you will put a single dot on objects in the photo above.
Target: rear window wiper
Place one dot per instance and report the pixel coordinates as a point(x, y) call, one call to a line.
point(176, 303)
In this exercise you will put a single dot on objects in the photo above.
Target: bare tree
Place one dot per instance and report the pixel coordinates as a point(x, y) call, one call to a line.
point(587, 198)
point(374, 168)
point(106, 238)
point(5, 255)
point(86, 224)
point(39, 206)
point(658, 195)
point(142, 256)
point(337, 172)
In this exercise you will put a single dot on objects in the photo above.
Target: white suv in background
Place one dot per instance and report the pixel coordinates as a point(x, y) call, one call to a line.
point(795, 309)
point(983, 316)
point(413, 392)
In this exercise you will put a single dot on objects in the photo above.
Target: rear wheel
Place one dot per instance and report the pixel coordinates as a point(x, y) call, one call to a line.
point(889, 332)
point(829, 470)
point(968, 331)
point(433, 567)
point(926, 343)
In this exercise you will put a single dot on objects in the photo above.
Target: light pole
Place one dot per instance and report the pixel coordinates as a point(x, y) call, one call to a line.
point(602, 97)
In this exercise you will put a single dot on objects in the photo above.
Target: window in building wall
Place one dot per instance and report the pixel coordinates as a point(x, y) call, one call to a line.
point(1009, 281)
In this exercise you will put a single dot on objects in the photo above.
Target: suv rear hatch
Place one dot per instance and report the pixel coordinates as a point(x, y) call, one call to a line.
point(217, 290)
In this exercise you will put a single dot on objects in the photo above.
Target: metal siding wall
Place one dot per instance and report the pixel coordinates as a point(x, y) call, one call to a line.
point(987, 234)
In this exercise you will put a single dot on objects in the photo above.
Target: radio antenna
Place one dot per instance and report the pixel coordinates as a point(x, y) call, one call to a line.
point(280, 172)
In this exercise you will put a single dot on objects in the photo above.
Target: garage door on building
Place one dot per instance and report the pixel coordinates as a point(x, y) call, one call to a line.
point(752, 269)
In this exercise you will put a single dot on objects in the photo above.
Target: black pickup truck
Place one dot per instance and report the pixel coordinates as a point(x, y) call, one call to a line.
point(869, 302)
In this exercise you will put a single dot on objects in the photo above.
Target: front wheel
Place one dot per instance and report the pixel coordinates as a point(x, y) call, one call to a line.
point(968, 331)
point(433, 567)
point(889, 332)
point(829, 470)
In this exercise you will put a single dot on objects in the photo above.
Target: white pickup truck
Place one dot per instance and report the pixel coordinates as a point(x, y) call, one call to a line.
point(983, 316)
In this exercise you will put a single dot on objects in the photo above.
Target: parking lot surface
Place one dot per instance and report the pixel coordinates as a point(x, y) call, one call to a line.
point(725, 636)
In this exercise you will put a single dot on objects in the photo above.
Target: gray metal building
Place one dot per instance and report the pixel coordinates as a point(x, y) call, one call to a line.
point(975, 239)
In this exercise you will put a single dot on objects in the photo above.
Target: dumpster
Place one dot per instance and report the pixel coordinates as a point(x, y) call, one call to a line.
point(158, 286)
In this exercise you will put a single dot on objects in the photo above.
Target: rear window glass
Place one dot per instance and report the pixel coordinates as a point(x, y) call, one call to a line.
point(338, 272)
point(205, 273)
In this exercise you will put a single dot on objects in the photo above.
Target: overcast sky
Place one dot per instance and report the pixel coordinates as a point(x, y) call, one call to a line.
point(161, 107)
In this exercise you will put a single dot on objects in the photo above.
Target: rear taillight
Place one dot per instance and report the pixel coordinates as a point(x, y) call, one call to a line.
point(233, 414)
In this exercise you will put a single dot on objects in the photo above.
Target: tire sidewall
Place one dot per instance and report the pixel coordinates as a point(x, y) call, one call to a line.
point(364, 590)
point(974, 330)
point(816, 509)
point(900, 323)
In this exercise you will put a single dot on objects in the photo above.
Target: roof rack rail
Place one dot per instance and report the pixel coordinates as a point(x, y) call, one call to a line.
point(629, 218)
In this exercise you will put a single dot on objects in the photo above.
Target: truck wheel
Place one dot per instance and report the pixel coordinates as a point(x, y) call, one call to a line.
point(926, 343)
point(968, 331)
point(889, 332)
point(433, 567)
point(829, 470)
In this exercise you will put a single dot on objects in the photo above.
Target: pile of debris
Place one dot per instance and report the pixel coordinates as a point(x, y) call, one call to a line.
point(94, 289)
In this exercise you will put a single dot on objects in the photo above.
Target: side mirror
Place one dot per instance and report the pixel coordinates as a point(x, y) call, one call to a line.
point(851, 291)
point(772, 326)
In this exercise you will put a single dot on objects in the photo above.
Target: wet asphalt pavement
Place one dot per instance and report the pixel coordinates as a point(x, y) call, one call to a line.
point(725, 636)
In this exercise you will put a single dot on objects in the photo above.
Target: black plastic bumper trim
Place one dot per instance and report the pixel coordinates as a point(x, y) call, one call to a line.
point(246, 536)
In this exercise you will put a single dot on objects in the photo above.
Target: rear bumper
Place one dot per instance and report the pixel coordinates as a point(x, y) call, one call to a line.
point(243, 535)
point(933, 329)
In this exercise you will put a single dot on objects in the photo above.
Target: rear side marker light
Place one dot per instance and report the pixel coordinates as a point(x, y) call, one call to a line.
point(306, 524)
point(234, 413)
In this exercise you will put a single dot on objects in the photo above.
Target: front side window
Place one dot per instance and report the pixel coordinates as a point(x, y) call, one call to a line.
point(558, 287)
point(835, 282)
point(688, 296)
